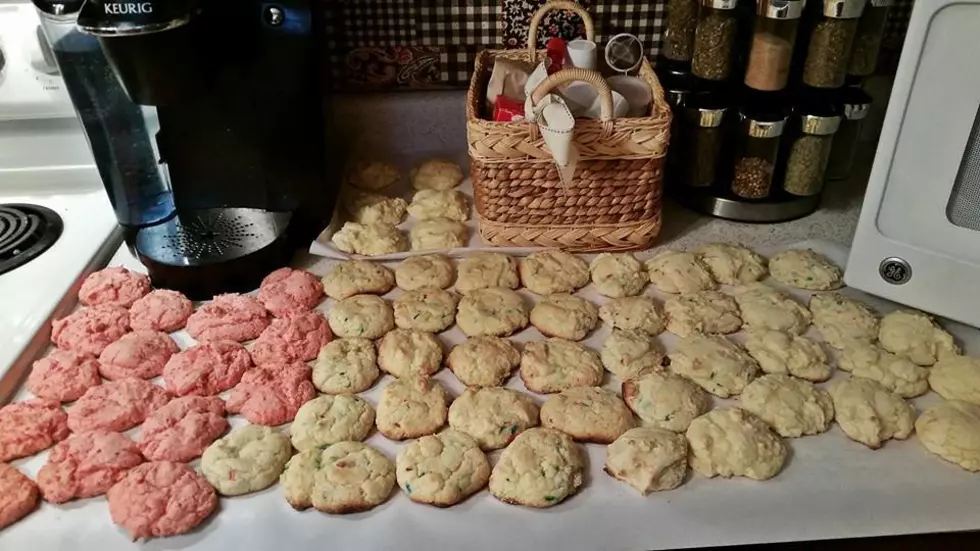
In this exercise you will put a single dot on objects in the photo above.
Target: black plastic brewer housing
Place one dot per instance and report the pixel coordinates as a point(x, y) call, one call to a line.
point(242, 133)
point(134, 17)
point(145, 43)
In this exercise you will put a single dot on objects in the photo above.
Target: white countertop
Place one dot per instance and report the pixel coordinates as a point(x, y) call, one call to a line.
point(834, 221)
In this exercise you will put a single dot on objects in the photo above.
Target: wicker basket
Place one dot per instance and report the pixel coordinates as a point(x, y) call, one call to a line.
point(613, 202)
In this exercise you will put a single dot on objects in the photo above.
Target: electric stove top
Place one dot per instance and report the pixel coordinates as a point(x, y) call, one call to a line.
point(35, 291)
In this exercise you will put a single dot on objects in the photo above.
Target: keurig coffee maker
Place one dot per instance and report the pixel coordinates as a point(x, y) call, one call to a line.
point(205, 118)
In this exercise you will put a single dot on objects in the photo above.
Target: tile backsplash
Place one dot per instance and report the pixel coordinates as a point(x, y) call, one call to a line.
point(431, 44)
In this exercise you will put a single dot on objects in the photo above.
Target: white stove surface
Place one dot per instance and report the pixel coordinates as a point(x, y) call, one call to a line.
point(44, 160)
point(33, 294)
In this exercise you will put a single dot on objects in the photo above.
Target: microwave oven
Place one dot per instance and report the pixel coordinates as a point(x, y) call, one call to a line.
point(918, 236)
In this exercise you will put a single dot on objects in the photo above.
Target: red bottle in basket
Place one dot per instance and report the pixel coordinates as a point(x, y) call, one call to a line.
point(508, 109)
point(556, 50)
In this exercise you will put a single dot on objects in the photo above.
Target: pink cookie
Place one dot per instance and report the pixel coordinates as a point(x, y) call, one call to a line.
point(30, 426)
point(141, 354)
point(161, 499)
point(182, 429)
point(228, 317)
point(272, 394)
point(116, 286)
point(87, 464)
point(206, 369)
point(90, 330)
point(161, 310)
point(18, 495)
point(63, 376)
point(116, 405)
point(295, 338)
point(288, 291)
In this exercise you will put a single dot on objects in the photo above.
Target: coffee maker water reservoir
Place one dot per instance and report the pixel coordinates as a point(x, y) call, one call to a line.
point(221, 114)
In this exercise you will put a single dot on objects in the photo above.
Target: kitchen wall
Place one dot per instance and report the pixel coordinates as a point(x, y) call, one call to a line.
point(384, 45)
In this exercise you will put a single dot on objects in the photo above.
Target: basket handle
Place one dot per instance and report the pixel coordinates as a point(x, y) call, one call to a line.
point(532, 30)
point(567, 75)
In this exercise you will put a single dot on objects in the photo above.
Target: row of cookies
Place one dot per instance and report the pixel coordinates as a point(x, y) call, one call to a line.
point(887, 363)
point(572, 428)
point(230, 316)
point(490, 416)
point(121, 334)
point(242, 323)
point(887, 360)
point(542, 278)
point(558, 412)
point(440, 211)
point(233, 313)
point(837, 317)
point(490, 308)
point(903, 355)
point(794, 324)
point(739, 441)
point(613, 416)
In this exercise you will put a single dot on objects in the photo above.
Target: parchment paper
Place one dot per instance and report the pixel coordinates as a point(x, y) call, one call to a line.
point(831, 487)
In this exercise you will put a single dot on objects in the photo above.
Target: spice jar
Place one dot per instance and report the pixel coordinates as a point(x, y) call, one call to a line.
point(714, 40)
point(678, 86)
point(773, 37)
point(856, 105)
point(682, 19)
point(756, 150)
point(809, 151)
point(867, 39)
point(831, 39)
point(702, 137)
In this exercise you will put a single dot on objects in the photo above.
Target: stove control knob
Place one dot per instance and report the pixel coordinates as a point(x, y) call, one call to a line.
point(274, 16)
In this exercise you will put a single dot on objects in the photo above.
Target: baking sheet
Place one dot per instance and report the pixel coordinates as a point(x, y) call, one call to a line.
point(323, 246)
point(831, 487)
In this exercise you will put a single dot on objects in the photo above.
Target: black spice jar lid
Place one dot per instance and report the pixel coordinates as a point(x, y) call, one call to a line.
point(780, 9)
point(677, 86)
point(665, 64)
point(819, 103)
point(673, 76)
point(765, 106)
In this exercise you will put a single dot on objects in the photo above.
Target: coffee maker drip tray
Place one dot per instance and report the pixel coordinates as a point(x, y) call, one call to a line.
point(203, 252)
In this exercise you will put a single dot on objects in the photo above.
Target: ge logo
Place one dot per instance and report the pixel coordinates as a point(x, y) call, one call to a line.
point(895, 270)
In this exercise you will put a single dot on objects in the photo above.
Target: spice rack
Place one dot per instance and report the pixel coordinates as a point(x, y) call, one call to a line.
point(759, 90)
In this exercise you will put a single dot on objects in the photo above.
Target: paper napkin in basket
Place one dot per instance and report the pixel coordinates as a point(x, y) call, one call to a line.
point(556, 123)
